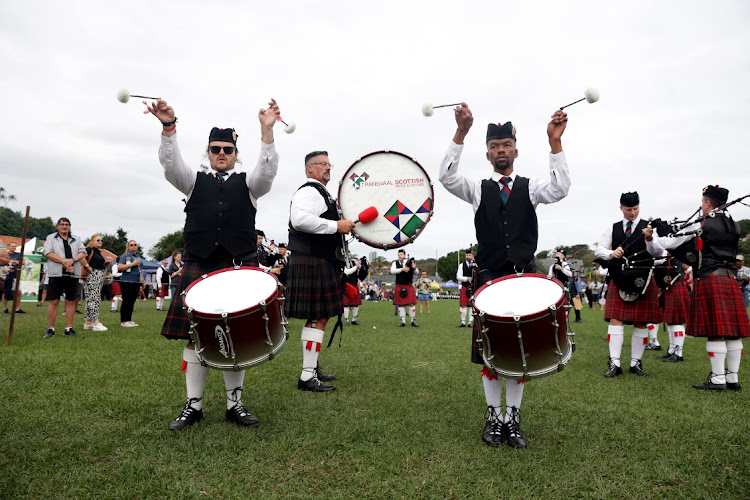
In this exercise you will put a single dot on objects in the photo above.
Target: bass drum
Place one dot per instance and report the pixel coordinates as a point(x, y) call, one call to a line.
point(521, 326)
point(398, 187)
point(236, 317)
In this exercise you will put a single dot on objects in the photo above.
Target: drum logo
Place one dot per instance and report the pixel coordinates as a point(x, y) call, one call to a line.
point(363, 180)
point(221, 336)
point(408, 222)
point(357, 180)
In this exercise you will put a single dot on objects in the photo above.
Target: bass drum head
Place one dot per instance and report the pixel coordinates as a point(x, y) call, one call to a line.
point(522, 296)
point(398, 187)
point(230, 291)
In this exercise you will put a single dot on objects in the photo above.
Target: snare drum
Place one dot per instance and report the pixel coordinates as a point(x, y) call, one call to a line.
point(398, 187)
point(521, 326)
point(236, 317)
